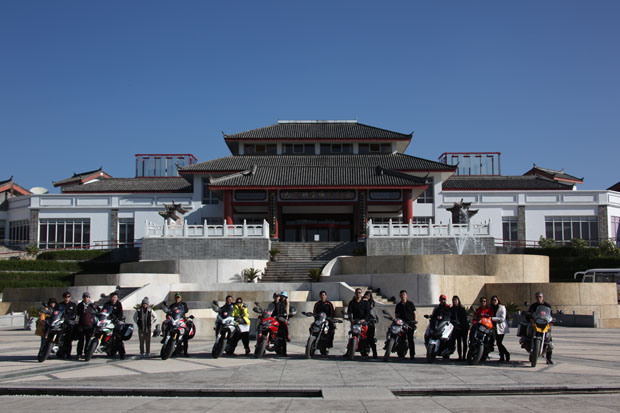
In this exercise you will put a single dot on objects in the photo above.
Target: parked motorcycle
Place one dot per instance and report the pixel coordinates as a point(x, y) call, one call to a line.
point(438, 338)
point(55, 333)
point(534, 332)
point(177, 328)
point(480, 339)
point(225, 326)
point(109, 332)
point(358, 339)
point(396, 337)
point(270, 335)
point(319, 333)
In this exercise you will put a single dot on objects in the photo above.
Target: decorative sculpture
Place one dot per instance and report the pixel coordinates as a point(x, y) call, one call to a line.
point(461, 212)
point(171, 211)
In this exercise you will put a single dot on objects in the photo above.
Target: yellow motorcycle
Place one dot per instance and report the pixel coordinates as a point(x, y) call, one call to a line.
point(534, 332)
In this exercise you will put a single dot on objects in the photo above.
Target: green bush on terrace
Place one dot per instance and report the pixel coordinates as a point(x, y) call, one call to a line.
point(35, 280)
point(72, 255)
point(88, 267)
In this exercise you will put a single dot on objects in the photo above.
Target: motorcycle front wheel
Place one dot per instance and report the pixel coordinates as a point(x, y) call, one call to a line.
point(535, 350)
point(167, 349)
point(388, 349)
point(90, 350)
point(260, 348)
point(310, 347)
point(474, 355)
point(45, 351)
point(430, 354)
point(353, 342)
point(218, 347)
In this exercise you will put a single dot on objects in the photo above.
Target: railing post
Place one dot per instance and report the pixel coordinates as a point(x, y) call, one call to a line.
point(450, 227)
point(205, 229)
point(265, 229)
point(244, 229)
point(165, 228)
point(225, 229)
point(185, 229)
point(390, 229)
point(369, 231)
point(411, 227)
point(430, 226)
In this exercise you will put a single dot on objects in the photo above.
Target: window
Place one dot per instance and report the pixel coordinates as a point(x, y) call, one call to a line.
point(64, 233)
point(428, 196)
point(2, 231)
point(375, 148)
point(615, 230)
point(509, 229)
point(208, 197)
point(125, 232)
point(336, 148)
point(299, 149)
point(19, 232)
point(564, 229)
point(260, 149)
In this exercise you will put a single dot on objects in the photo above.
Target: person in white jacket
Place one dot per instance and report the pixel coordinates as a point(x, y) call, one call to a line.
point(501, 327)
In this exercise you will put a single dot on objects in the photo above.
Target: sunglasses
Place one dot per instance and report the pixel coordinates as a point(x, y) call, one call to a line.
point(239, 302)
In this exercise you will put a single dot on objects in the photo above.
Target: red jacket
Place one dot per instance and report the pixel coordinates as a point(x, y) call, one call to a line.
point(487, 312)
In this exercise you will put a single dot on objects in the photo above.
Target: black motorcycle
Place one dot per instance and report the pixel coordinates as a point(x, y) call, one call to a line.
point(396, 337)
point(177, 328)
point(109, 333)
point(480, 339)
point(319, 333)
point(56, 332)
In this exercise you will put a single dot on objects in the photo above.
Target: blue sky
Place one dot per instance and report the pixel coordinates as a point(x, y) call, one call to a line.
point(89, 84)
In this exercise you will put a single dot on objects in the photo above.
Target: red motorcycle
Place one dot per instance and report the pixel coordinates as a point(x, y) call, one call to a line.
point(270, 336)
point(357, 339)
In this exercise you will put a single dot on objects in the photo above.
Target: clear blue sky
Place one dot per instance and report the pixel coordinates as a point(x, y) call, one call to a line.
point(86, 84)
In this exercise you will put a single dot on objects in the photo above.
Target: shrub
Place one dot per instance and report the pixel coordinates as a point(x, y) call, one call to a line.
point(359, 252)
point(579, 245)
point(546, 242)
point(85, 267)
point(608, 248)
point(72, 255)
point(35, 280)
point(250, 274)
point(32, 250)
point(273, 252)
point(315, 274)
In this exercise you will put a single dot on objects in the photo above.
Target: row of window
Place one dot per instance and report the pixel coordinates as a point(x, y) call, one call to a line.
point(310, 148)
point(560, 229)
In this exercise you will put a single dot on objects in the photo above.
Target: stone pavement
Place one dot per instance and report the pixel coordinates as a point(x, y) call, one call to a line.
point(587, 363)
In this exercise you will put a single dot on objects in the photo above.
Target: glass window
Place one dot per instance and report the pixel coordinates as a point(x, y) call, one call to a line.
point(299, 149)
point(565, 229)
point(510, 229)
point(615, 230)
point(125, 232)
point(428, 196)
point(208, 197)
point(19, 232)
point(64, 233)
point(336, 148)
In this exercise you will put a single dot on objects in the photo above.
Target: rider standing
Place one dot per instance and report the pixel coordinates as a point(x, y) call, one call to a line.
point(240, 313)
point(145, 318)
point(70, 310)
point(117, 312)
point(458, 317)
point(406, 311)
point(86, 310)
point(183, 308)
point(324, 306)
point(540, 300)
point(359, 309)
point(370, 335)
point(500, 321)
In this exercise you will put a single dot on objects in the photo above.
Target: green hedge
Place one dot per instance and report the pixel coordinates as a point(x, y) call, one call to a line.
point(35, 280)
point(88, 267)
point(72, 255)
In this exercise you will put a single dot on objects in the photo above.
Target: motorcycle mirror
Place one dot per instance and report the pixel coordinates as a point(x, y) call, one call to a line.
point(561, 312)
point(215, 303)
point(256, 310)
point(427, 316)
point(385, 312)
point(102, 295)
point(387, 318)
point(526, 304)
point(191, 316)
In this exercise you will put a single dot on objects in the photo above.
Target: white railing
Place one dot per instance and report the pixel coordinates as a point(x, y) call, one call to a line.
point(173, 230)
point(393, 229)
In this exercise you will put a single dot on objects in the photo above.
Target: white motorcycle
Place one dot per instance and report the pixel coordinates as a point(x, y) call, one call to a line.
point(225, 326)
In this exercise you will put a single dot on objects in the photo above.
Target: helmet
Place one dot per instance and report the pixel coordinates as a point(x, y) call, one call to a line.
point(284, 294)
point(442, 297)
point(177, 295)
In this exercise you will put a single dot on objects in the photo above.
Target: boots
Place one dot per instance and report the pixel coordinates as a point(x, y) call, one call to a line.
point(374, 350)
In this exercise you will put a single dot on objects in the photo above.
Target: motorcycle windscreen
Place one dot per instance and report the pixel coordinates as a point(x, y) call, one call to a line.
point(177, 314)
point(543, 313)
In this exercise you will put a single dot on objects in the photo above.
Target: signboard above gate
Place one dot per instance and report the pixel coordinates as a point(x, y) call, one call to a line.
point(320, 195)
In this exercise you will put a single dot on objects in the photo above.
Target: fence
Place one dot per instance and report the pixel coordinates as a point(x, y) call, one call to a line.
point(173, 230)
point(392, 229)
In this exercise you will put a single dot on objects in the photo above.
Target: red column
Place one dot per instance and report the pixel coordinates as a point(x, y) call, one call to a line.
point(407, 206)
point(228, 209)
point(273, 214)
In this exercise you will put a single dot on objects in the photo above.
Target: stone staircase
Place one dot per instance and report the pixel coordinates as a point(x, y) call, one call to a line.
point(296, 258)
point(122, 292)
point(376, 295)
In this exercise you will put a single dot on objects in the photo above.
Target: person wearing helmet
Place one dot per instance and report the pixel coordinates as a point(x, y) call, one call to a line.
point(443, 309)
point(183, 308)
point(540, 300)
point(281, 312)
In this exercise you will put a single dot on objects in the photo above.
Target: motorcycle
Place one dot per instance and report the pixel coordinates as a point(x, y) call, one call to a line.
point(358, 339)
point(396, 337)
point(535, 340)
point(225, 326)
point(269, 334)
point(480, 339)
point(319, 334)
point(55, 333)
point(438, 338)
point(177, 329)
point(109, 332)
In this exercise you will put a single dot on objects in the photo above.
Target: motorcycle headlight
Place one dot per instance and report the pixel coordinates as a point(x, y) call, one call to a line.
point(396, 329)
point(315, 328)
point(357, 329)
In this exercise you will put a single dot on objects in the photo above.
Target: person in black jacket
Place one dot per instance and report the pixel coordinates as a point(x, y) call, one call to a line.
point(324, 306)
point(117, 312)
point(358, 309)
point(86, 325)
point(370, 334)
point(183, 308)
point(540, 300)
point(70, 310)
point(458, 317)
point(406, 311)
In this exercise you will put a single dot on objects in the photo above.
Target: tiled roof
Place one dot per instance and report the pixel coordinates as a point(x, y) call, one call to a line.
point(316, 176)
point(560, 175)
point(77, 177)
point(345, 130)
point(174, 184)
point(396, 161)
point(525, 182)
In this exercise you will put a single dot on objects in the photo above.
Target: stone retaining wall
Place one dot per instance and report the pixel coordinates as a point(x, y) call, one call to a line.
point(428, 245)
point(204, 248)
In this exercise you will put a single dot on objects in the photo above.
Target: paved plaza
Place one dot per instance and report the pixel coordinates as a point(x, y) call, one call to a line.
point(586, 375)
